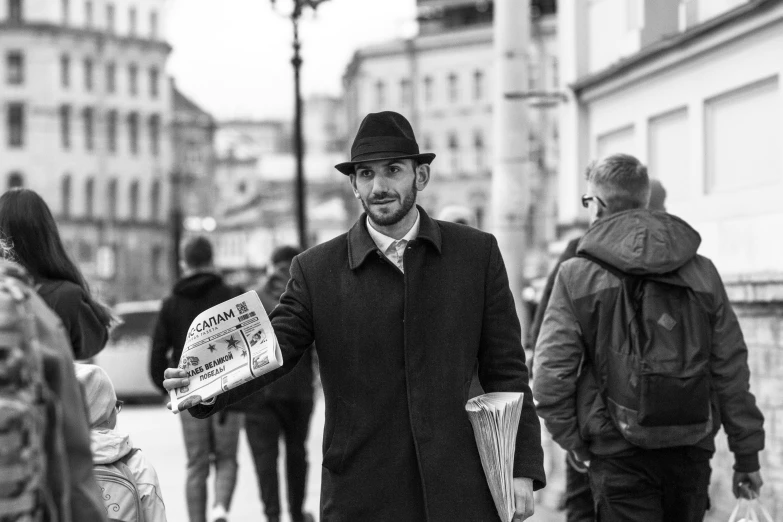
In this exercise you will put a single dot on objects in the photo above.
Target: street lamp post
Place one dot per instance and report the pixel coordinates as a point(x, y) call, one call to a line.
point(295, 14)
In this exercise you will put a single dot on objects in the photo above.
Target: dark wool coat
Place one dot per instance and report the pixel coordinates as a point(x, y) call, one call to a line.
point(397, 354)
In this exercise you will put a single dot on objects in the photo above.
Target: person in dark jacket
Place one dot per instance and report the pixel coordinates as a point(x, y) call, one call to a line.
point(205, 440)
point(627, 481)
point(401, 309)
point(282, 408)
point(578, 499)
point(27, 225)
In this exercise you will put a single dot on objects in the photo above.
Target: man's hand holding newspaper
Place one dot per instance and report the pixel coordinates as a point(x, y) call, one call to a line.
point(226, 346)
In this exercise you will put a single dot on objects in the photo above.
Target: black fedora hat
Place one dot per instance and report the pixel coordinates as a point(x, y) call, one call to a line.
point(384, 136)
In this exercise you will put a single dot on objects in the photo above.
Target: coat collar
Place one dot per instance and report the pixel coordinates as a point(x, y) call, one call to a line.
point(360, 244)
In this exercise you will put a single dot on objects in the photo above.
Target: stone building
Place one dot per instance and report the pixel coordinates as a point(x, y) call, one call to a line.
point(442, 81)
point(85, 123)
point(693, 88)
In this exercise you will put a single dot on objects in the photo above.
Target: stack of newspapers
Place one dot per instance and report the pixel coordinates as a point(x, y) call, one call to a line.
point(495, 420)
point(226, 346)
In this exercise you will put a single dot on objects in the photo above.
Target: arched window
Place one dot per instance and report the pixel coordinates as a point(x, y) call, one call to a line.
point(454, 153)
point(15, 179)
point(89, 198)
point(133, 200)
point(15, 13)
point(111, 198)
point(155, 200)
point(65, 196)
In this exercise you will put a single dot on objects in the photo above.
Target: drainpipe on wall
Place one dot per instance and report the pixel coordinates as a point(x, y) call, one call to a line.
point(511, 165)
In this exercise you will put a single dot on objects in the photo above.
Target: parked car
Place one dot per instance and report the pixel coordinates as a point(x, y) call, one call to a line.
point(127, 354)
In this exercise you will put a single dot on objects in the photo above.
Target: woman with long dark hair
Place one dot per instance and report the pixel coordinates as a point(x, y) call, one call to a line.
point(29, 229)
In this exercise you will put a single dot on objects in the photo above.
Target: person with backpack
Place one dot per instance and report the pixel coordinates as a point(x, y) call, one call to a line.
point(45, 459)
point(129, 483)
point(206, 440)
point(28, 226)
point(641, 359)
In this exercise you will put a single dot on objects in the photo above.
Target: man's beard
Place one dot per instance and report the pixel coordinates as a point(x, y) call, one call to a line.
point(385, 220)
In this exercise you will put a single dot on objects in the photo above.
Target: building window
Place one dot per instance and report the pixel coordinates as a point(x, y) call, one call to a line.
point(88, 14)
point(66, 12)
point(111, 78)
point(133, 132)
point(155, 200)
point(132, 21)
point(110, 18)
point(14, 62)
point(454, 153)
point(89, 128)
point(428, 90)
point(65, 195)
point(453, 88)
point(154, 124)
point(157, 262)
point(65, 126)
point(15, 14)
point(15, 120)
point(478, 85)
point(133, 79)
point(111, 198)
point(555, 73)
point(426, 143)
point(405, 93)
point(15, 180)
point(89, 198)
point(478, 144)
point(88, 74)
point(65, 71)
point(153, 24)
point(380, 94)
point(111, 131)
point(154, 79)
point(133, 200)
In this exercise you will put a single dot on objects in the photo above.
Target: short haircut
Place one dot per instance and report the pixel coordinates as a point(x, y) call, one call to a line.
point(285, 254)
point(198, 252)
point(623, 180)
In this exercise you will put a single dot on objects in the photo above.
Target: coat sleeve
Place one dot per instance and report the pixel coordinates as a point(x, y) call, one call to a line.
point(149, 488)
point(741, 418)
point(87, 334)
point(559, 353)
point(292, 322)
point(161, 345)
point(501, 366)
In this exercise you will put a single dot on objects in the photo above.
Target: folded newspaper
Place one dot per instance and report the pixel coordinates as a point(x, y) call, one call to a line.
point(495, 420)
point(226, 346)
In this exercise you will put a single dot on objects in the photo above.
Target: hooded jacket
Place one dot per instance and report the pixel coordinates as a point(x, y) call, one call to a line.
point(637, 242)
point(109, 446)
point(191, 296)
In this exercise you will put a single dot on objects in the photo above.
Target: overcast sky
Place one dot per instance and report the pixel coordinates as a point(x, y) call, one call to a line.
point(233, 56)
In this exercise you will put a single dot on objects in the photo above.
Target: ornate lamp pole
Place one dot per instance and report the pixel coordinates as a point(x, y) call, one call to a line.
point(294, 10)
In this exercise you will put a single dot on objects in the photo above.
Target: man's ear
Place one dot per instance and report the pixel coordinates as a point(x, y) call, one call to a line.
point(422, 176)
point(352, 181)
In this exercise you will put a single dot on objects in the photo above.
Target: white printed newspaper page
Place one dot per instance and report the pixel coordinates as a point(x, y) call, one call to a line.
point(495, 419)
point(227, 345)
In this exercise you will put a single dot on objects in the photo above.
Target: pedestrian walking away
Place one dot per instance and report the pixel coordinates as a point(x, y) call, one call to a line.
point(206, 440)
point(578, 501)
point(115, 456)
point(641, 359)
point(401, 309)
point(28, 227)
point(281, 408)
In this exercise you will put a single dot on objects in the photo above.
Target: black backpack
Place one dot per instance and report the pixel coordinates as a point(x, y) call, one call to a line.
point(653, 367)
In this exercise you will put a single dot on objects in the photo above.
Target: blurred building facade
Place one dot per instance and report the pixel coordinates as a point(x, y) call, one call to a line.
point(86, 118)
point(255, 171)
point(443, 80)
point(693, 88)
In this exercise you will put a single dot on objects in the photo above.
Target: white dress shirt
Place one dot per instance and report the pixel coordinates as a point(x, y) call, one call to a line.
point(392, 248)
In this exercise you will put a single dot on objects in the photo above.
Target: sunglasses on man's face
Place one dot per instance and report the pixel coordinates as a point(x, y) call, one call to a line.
point(587, 199)
point(118, 405)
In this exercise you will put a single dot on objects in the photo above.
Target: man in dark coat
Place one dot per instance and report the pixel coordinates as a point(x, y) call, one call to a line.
point(402, 308)
point(206, 441)
point(281, 408)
